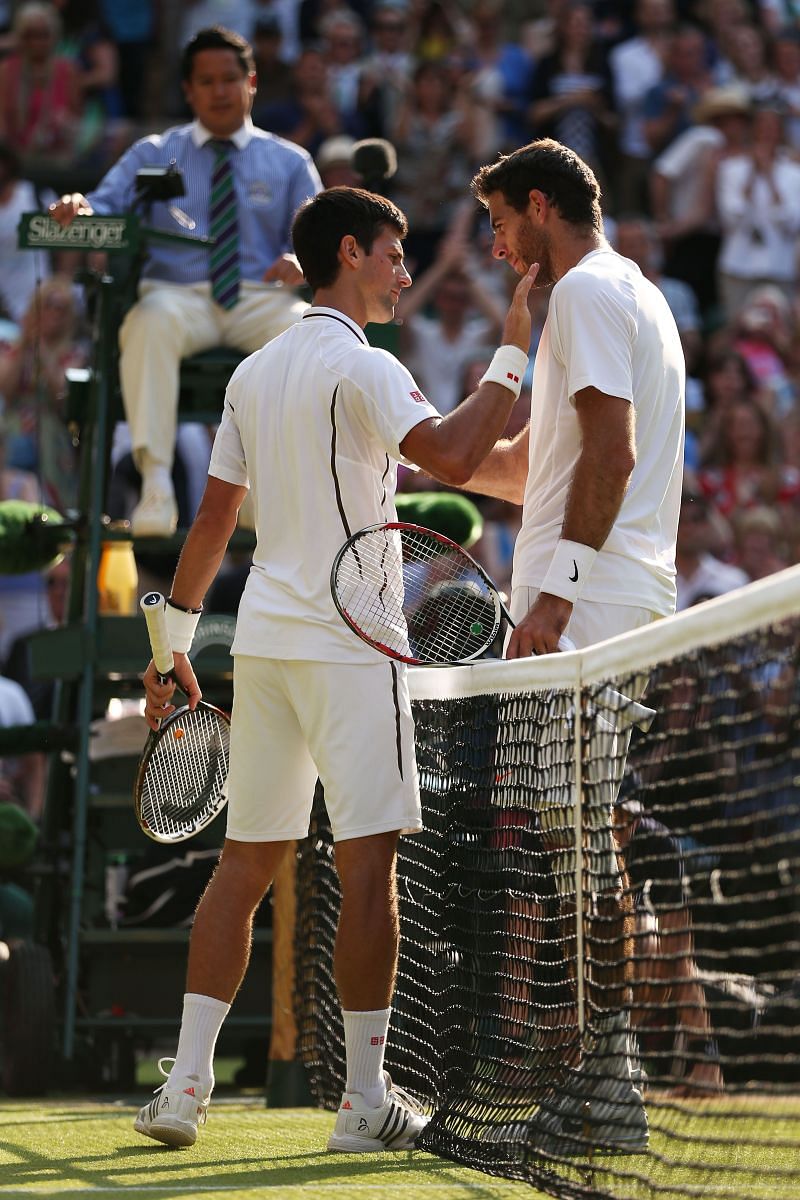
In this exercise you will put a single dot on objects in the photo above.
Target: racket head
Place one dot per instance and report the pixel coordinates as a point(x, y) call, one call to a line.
point(415, 595)
point(183, 772)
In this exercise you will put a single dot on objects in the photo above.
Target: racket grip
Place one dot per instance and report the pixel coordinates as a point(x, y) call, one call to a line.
point(153, 605)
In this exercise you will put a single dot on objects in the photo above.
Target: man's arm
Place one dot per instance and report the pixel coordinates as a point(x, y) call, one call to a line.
point(599, 482)
point(199, 562)
point(504, 472)
point(453, 447)
point(114, 192)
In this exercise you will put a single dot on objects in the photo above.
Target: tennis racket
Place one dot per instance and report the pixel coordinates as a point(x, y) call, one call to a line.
point(180, 783)
point(416, 595)
point(421, 598)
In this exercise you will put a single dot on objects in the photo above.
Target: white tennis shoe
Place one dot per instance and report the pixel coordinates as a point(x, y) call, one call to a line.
point(175, 1113)
point(156, 514)
point(594, 1115)
point(394, 1125)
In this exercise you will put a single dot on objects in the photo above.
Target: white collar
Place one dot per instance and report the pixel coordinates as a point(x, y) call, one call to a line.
point(201, 135)
point(317, 310)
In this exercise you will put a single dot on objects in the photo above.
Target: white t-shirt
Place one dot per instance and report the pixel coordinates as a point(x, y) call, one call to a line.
point(610, 328)
point(712, 578)
point(636, 68)
point(759, 231)
point(15, 705)
point(312, 424)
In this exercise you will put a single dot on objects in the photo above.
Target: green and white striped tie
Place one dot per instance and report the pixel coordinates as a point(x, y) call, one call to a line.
point(224, 228)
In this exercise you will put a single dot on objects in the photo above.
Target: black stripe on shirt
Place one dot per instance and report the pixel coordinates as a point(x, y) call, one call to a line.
point(398, 734)
point(312, 316)
point(347, 530)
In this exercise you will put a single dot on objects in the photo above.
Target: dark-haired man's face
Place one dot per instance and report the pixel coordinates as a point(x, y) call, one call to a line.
point(519, 241)
point(384, 276)
point(219, 93)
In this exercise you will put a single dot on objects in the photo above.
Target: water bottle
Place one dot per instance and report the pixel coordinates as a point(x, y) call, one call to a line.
point(117, 580)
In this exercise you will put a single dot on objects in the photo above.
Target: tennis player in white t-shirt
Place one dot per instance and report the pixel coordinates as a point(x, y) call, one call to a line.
point(314, 425)
point(599, 472)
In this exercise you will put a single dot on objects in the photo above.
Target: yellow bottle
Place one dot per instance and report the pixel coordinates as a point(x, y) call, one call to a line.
point(117, 580)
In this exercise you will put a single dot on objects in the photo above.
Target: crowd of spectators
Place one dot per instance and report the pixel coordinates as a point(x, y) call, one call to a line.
point(688, 110)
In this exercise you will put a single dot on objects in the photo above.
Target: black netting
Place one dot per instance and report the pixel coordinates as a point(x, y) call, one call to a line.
point(601, 1015)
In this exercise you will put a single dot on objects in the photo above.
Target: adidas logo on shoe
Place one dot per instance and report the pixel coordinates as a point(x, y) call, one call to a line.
point(175, 1113)
point(394, 1125)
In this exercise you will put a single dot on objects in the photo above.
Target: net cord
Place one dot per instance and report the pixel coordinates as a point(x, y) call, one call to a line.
point(735, 614)
point(579, 931)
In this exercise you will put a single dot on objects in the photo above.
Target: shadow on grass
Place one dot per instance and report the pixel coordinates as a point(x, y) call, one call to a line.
point(161, 1168)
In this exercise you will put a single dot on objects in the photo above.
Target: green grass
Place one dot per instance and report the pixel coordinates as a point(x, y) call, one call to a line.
point(737, 1147)
point(88, 1148)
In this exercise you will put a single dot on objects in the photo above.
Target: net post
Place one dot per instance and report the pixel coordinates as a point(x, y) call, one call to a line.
point(287, 1086)
point(578, 823)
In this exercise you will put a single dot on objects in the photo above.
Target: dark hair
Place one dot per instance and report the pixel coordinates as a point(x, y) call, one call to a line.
point(10, 160)
point(216, 38)
point(719, 360)
point(322, 222)
point(567, 181)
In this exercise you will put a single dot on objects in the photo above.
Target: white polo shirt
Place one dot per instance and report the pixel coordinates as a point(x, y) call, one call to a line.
point(610, 328)
point(312, 424)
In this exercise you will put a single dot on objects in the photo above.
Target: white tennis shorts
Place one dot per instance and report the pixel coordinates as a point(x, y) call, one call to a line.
point(590, 622)
point(350, 724)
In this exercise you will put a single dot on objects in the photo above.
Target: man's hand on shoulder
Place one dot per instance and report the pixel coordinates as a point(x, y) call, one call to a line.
point(65, 210)
point(540, 629)
point(285, 270)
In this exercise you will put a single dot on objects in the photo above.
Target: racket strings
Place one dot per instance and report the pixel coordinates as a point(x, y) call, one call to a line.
point(416, 596)
point(184, 782)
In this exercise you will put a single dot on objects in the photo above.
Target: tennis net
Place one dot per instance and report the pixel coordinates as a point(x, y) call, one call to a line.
point(599, 982)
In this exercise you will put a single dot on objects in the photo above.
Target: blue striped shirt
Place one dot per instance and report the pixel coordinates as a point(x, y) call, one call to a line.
point(272, 178)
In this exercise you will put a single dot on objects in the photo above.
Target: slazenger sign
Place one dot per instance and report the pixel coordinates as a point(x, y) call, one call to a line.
point(37, 230)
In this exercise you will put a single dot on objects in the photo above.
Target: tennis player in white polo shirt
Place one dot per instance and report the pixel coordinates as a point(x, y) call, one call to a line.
point(314, 425)
point(599, 473)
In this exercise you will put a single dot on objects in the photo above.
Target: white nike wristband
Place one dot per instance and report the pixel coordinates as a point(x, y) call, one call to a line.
point(180, 627)
point(507, 368)
point(569, 569)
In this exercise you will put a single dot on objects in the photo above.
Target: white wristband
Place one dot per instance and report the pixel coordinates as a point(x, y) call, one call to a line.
point(180, 627)
point(569, 569)
point(507, 367)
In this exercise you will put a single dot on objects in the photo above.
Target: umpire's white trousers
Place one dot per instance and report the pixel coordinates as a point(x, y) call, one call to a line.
point(171, 321)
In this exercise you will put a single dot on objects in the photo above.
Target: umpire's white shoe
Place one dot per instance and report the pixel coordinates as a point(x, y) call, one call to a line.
point(156, 514)
point(174, 1114)
point(394, 1125)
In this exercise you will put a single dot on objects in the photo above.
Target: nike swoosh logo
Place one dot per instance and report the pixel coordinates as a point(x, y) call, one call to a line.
point(574, 578)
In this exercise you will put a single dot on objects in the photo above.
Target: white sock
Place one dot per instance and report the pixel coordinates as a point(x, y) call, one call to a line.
point(157, 479)
point(156, 475)
point(202, 1021)
point(364, 1044)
